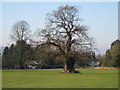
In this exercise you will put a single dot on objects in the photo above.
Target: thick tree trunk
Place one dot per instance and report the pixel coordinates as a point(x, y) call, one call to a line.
point(69, 66)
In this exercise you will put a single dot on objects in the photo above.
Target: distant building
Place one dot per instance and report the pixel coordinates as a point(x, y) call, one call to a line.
point(94, 63)
point(33, 65)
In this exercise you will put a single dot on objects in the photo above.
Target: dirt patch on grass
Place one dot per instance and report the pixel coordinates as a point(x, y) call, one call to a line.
point(100, 67)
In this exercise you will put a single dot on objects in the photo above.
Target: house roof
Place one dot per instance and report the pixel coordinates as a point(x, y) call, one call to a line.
point(33, 62)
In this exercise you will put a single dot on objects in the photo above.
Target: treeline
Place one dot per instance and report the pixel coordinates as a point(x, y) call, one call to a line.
point(112, 56)
point(21, 53)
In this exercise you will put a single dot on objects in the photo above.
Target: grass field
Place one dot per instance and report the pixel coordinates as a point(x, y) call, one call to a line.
point(52, 78)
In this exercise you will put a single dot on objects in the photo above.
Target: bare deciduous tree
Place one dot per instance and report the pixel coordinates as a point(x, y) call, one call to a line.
point(64, 31)
point(20, 30)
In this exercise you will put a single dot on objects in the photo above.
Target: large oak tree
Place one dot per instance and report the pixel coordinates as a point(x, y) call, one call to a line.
point(65, 32)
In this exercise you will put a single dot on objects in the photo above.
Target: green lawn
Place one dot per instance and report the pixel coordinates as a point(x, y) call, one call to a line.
point(52, 78)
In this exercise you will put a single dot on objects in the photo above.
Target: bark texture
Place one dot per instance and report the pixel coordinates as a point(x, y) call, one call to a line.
point(69, 66)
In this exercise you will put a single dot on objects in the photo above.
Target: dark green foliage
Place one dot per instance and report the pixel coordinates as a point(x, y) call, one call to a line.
point(5, 57)
point(11, 52)
point(112, 56)
point(101, 59)
point(49, 56)
point(46, 54)
point(28, 53)
point(17, 54)
point(22, 53)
